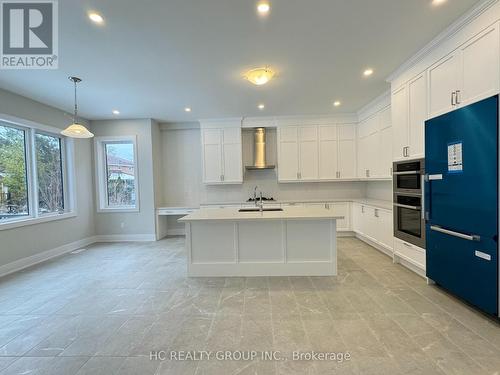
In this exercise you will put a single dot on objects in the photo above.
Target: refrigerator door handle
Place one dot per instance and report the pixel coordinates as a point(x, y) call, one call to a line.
point(463, 236)
point(406, 173)
point(422, 186)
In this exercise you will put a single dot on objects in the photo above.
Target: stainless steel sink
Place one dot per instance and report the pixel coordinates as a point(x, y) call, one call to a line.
point(257, 209)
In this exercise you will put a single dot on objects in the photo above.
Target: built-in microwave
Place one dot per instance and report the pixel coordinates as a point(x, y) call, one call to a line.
point(408, 176)
point(409, 219)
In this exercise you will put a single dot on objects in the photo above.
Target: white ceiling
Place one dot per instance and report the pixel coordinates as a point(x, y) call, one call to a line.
point(152, 58)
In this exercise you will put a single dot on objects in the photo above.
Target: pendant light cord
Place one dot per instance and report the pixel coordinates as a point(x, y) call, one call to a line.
point(76, 106)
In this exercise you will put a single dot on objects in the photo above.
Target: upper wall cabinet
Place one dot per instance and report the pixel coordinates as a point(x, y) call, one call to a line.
point(375, 146)
point(222, 160)
point(298, 153)
point(316, 153)
point(468, 74)
point(409, 112)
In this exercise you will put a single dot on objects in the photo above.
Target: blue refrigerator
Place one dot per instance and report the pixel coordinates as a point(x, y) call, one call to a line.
point(461, 203)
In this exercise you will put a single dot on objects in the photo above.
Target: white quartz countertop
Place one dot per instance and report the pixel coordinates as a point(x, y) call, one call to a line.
point(383, 204)
point(232, 214)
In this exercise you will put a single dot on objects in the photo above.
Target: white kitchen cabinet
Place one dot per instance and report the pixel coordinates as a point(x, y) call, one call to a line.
point(417, 114)
point(375, 146)
point(338, 208)
point(480, 66)
point(409, 112)
point(467, 75)
point(346, 151)
point(374, 224)
point(308, 153)
point(316, 153)
point(399, 109)
point(409, 253)
point(288, 154)
point(222, 160)
point(328, 152)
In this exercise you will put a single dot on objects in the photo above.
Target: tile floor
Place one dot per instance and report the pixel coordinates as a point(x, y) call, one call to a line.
point(104, 310)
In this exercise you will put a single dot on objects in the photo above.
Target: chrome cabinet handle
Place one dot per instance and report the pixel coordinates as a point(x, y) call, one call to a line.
point(457, 97)
point(375, 212)
point(416, 208)
point(454, 98)
point(362, 209)
point(463, 236)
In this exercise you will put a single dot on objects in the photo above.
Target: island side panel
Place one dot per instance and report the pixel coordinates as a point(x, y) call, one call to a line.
point(284, 248)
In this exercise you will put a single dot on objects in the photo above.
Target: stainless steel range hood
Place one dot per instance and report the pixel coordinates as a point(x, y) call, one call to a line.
point(259, 151)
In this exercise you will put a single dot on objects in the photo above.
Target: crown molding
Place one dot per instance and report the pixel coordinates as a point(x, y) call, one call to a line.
point(380, 102)
point(451, 30)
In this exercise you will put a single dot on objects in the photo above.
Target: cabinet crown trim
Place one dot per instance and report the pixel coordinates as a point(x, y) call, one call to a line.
point(456, 26)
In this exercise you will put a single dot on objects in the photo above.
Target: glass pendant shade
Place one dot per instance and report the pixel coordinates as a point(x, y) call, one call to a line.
point(77, 131)
point(259, 76)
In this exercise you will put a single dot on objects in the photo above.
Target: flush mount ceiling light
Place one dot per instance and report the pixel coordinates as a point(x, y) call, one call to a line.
point(76, 130)
point(438, 2)
point(116, 112)
point(96, 17)
point(261, 107)
point(368, 72)
point(259, 76)
point(336, 103)
point(263, 8)
point(187, 109)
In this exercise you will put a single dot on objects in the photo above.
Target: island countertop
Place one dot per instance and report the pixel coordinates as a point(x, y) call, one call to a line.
point(233, 214)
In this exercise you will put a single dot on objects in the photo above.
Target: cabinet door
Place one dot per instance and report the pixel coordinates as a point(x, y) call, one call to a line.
point(212, 156)
point(328, 153)
point(288, 155)
point(232, 163)
point(443, 81)
point(384, 169)
point(480, 60)
point(385, 225)
point(417, 112)
point(347, 151)
point(308, 153)
point(363, 156)
point(373, 162)
point(357, 217)
point(399, 109)
point(342, 209)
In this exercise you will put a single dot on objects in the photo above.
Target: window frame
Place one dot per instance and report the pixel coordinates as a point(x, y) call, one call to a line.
point(101, 174)
point(30, 129)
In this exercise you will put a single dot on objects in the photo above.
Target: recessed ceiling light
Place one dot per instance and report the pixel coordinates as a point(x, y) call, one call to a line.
point(261, 106)
point(187, 109)
point(263, 7)
point(368, 72)
point(116, 112)
point(337, 103)
point(438, 2)
point(259, 76)
point(96, 17)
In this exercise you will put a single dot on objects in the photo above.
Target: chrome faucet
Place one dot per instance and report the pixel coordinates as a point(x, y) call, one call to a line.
point(261, 205)
point(255, 194)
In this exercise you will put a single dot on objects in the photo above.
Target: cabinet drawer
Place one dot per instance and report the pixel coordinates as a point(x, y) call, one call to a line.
point(410, 253)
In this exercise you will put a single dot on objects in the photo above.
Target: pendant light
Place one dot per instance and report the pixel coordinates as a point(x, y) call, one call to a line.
point(76, 130)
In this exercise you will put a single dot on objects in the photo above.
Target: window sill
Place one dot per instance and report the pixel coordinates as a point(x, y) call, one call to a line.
point(37, 220)
point(118, 210)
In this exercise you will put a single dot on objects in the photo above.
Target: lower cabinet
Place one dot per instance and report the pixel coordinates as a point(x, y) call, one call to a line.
point(410, 253)
point(338, 208)
point(373, 223)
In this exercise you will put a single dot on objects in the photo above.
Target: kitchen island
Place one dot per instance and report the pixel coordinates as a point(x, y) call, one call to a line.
point(293, 241)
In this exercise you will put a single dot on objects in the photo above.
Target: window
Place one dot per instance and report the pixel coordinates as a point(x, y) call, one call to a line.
point(34, 178)
point(49, 173)
point(117, 173)
point(13, 178)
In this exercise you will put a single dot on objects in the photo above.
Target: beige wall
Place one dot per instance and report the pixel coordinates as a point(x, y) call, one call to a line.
point(22, 242)
point(131, 223)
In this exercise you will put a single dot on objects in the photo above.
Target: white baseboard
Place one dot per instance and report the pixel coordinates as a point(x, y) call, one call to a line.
point(125, 238)
point(377, 246)
point(44, 256)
